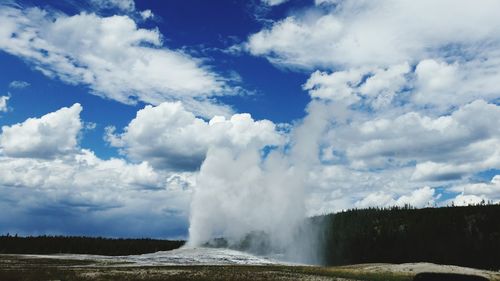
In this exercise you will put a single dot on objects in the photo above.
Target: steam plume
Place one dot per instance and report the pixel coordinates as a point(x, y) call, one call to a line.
point(240, 192)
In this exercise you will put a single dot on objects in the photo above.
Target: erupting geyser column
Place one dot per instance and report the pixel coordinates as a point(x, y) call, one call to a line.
point(239, 191)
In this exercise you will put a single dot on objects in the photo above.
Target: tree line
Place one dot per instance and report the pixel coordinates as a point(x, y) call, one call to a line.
point(466, 236)
point(13, 244)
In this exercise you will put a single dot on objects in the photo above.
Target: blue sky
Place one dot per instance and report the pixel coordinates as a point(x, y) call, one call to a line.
point(116, 116)
point(202, 32)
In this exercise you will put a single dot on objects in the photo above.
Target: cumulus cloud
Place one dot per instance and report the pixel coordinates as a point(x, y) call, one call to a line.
point(412, 135)
point(377, 87)
point(380, 158)
point(423, 197)
point(404, 96)
point(445, 85)
point(380, 54)
point(336, 86)
point(46, 137)
point(45, 174)
point(337, 187)
point(466, 200)
point(3, 103)
point(490, 190)
point(113, 56)
point(433, 85)
point(375, 122)
point(376, 199)
point(81, 194)
point(80, 169)
point(169, 136)
point(364, 33)
point(18, 84)
point(433, 78)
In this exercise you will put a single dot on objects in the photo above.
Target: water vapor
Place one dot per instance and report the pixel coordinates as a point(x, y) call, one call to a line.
point(253, 199)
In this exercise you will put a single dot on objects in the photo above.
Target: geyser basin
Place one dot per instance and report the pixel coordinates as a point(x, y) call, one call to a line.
point(200, 256)
point(183, 256)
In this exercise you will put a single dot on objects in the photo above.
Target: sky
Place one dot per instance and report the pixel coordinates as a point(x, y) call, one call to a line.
point(151, 118)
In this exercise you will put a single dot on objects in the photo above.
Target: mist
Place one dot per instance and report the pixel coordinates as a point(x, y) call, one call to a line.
point(255, 201)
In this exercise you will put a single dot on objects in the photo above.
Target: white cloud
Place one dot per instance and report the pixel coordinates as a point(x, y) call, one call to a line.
point(464, 137)
point(435, 86)
point(384, 84)
point(80, 169)
point(124, 5)
point(337, 187)
point(83, 195)
point(147, 14)
point(412, 83)
point(392, 153)
point(445, 85)
point(169, 136)
point(365, 33)
point(375, 123)
point(290, 42)
point(3, 103)
point(18, 84)
point(44, 174)
point(337, 86)
point(487, 158)
point(466, 200)
point(273, 2)
point(46, 137)
point(484, 189)
point(113, 56)
point(439, 171)
point(389, 117)
point(90, 126)
point(378, 86)
point(375, 199)
point(422, 197)
point(366, 133)
point(408, 96)
point(434, 77)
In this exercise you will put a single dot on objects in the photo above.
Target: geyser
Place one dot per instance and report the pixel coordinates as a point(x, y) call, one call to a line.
point(253, 196)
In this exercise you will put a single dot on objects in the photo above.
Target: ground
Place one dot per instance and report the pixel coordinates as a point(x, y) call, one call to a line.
point(17, 267)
